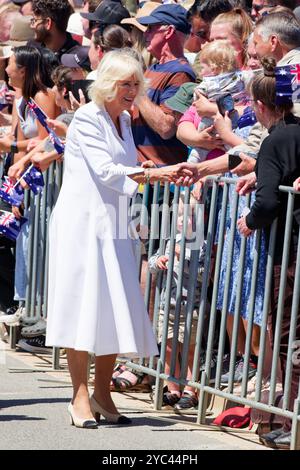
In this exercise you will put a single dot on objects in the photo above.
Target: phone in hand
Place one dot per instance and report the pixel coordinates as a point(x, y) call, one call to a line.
point(81, 85)
point(225, 103)
point(234, 160)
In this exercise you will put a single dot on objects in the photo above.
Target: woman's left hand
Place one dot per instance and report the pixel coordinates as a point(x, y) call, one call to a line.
point(243, 228)
point(222, 124)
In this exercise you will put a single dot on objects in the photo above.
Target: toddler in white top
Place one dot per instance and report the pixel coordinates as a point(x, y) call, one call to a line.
point(220, 75)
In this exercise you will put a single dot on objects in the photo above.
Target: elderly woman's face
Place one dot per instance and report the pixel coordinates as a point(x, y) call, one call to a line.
point(253, 61)
point(127, 91)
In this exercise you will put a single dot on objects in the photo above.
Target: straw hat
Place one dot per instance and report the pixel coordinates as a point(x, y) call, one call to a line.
point(146, 10)
point(20, 32)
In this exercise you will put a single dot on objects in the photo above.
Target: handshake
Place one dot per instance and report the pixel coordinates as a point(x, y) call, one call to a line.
point(181, 174)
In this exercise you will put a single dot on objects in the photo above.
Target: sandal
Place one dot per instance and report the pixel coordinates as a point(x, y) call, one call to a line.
point(118, 369)
point(129, 380)
point(188, 401)
point(169, 398)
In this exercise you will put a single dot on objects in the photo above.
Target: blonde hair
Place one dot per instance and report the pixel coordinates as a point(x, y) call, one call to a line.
point(115, 66)
point(239, 20)
point(220, 56)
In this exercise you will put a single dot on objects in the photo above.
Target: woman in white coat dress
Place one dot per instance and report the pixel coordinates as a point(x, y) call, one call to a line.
point(95, 303)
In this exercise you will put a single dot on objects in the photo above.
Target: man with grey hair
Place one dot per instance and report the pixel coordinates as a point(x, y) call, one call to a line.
point(278, 35)
point(154, 126)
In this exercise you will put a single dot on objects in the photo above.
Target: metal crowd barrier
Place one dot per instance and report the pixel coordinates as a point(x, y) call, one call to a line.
point(163, 220)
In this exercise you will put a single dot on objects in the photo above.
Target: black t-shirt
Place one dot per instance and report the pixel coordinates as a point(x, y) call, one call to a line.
point(278, 163)
point(69, 44)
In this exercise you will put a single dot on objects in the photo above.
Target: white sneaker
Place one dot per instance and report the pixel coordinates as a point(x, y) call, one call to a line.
point(39, 328)
point(20, 316)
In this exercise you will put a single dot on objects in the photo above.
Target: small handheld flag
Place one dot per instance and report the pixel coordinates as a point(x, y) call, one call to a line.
point(11, 193)
point(42, 117)
point(34, 178)
point(10, 226)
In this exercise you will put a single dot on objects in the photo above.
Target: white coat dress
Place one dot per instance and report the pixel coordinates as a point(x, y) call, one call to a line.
point(94, 301)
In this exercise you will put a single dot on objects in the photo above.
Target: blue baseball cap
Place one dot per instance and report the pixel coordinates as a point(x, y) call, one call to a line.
point(166, 14)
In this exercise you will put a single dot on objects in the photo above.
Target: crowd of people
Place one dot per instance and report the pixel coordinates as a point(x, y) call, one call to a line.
point(184, 90)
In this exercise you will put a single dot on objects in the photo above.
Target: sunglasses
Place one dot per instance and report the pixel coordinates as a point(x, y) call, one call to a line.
point(258, 8)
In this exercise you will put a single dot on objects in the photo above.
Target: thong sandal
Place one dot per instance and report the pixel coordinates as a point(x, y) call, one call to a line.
point(118, 369)
point(129, 380)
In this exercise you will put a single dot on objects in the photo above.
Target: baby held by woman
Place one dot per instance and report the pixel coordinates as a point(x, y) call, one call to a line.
point(220, 76)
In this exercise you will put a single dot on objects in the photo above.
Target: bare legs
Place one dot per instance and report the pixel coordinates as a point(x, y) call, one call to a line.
point(104, 366)
point(78, 364)
point(242, 335)
point(172, 386)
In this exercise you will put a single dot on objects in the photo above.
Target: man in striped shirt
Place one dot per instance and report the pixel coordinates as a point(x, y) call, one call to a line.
point(154, 126)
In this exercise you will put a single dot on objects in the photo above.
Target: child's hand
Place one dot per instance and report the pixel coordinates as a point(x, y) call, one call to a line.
point(203, 106)
point(198, 188)
point(161, 262)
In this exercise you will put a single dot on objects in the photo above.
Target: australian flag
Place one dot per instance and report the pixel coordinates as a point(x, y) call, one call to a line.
point(10, 226)
point(287, 84)
point(42, 117)
point(11, 193)
point(34, 178)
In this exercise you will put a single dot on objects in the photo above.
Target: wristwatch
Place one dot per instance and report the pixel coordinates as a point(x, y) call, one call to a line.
point(14, 147)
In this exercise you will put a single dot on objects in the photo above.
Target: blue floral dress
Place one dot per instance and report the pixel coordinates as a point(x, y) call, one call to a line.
point(249, 255)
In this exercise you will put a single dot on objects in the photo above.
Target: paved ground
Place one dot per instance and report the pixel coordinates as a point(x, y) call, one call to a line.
point(33, 416)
